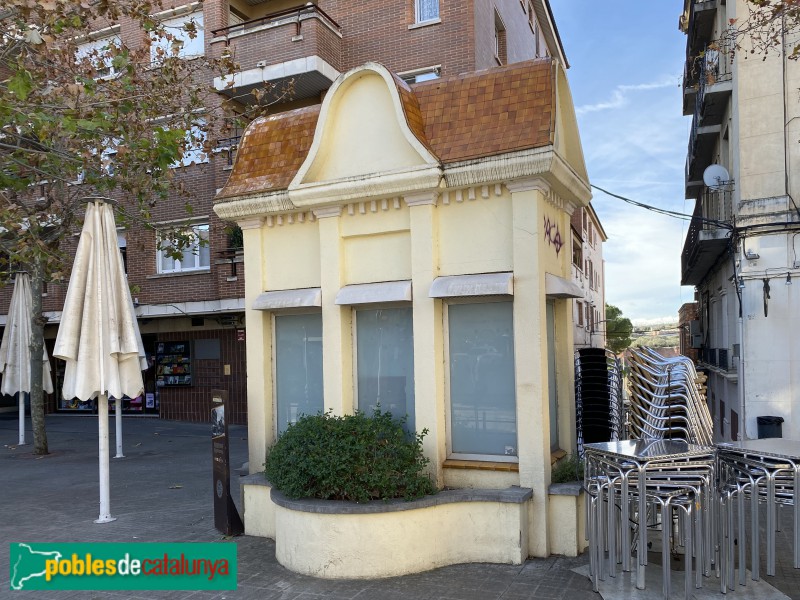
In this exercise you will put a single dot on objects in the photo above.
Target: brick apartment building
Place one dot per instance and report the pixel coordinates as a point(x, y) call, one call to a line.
point(191, 312)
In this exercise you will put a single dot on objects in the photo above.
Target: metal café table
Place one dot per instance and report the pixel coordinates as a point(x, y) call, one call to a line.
point(642, 460)
point(770, 469)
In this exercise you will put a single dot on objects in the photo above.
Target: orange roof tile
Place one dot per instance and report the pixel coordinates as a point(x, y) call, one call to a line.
point(458, 118)
point(489, 112)
point(271, 152)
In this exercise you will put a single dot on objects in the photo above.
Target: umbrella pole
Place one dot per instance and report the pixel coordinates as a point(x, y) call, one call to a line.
point(21, 418)
point(105, 496)
point(118, 420)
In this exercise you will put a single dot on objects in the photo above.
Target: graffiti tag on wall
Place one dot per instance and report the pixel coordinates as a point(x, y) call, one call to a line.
point(553, 235)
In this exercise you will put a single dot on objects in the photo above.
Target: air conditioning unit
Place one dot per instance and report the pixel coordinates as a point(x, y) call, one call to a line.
point(694, 328)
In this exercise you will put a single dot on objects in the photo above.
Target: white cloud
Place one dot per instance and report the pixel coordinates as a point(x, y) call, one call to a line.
point(619, 96)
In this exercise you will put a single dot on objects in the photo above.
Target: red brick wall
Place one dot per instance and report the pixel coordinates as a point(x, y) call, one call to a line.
point(192, 403)
point(378, 31)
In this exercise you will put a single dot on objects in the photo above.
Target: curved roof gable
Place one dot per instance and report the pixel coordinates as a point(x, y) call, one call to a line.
point(364, 129)
point(448, 120)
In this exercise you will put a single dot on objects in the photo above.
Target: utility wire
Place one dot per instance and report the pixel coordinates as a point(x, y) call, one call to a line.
point(668, 213)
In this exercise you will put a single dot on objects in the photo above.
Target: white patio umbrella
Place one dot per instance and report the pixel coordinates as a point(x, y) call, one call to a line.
point(98, 337)
point(15, 356)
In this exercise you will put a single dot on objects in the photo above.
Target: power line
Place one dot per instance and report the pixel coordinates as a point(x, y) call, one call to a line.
point(665, 212)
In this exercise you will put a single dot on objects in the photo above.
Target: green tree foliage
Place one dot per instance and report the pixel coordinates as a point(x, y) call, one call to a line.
point(618, 329)
point(657, 341)
point(84, 114)
point(355, 457)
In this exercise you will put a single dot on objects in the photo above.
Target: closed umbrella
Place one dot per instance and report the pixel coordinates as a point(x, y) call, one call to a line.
point(98, 337)
point(15, 356)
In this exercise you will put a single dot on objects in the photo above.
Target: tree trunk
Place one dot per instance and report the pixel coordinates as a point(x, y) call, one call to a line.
point(37, 349)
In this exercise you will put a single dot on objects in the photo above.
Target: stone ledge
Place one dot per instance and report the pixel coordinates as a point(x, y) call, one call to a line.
point(512, 495)
point(254, 479)
point(570, 488)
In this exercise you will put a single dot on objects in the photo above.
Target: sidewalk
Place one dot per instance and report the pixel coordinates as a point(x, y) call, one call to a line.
point(162, 492)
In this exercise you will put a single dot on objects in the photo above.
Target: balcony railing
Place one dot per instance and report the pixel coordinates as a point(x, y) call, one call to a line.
point(227, 147)
point(715, 67)
point(717, 205)
point(282, 36)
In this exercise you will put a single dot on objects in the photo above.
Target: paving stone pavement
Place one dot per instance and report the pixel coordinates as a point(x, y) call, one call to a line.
point(162, 492)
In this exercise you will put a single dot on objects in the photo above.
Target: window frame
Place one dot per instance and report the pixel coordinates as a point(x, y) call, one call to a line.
point(446, 304)
point(197, 269)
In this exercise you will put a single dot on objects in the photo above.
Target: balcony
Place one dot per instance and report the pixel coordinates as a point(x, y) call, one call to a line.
point(297, 51)
point(700, 26)
point(707, 238)
point(702, 142)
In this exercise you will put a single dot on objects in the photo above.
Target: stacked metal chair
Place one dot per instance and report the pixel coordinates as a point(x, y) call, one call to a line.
point(626, 482)
point(766, 472)
point(666, 401)
point(598, 397)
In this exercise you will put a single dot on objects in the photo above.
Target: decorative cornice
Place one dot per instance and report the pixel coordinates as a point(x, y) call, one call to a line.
point(529, 184)
point(421, 199)
point(251, 223)
point(327, 211)
point(359, 188)
point(502, 167)
point(256, 205)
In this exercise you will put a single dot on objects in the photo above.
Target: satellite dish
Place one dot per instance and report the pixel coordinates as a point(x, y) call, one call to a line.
point(715, 176)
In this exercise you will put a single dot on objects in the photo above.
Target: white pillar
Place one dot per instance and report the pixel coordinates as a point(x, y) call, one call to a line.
point(428, 334)
point(260, 429)
point(337, 336)
point(530, 358)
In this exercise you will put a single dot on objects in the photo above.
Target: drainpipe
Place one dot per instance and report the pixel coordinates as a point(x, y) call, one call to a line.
point(741, 380)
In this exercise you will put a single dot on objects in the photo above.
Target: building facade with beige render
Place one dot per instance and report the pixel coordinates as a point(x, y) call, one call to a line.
point(410, 247)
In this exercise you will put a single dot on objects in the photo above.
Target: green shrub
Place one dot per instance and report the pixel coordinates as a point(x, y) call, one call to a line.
point(569, 468)
point(355, 457)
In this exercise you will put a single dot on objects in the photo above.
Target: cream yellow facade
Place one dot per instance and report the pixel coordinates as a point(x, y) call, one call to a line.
point(372, 204)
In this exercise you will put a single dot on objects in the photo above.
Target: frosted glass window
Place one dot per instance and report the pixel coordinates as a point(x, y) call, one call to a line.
point(298, 367)
point(483, 407)
point(427, 10)
point(385, 362)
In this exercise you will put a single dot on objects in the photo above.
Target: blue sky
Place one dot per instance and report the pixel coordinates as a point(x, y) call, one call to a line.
point(626, 65)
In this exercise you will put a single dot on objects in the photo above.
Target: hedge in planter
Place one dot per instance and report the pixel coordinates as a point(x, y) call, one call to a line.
point(354, 457)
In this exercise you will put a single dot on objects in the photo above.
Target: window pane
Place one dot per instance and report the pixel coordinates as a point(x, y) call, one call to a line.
point(385, 362)
point(176, 28)
point(166, 264)
point(427, 10)
point(298, 367)
point(204, 255)
point(483, 411)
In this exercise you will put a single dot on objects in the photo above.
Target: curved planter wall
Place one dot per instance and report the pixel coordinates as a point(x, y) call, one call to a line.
point(381, 539)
